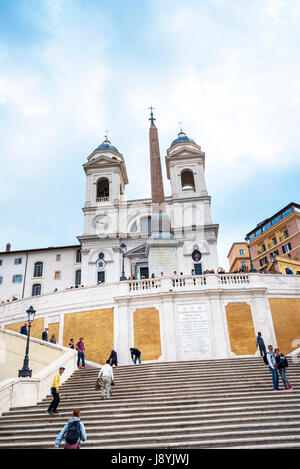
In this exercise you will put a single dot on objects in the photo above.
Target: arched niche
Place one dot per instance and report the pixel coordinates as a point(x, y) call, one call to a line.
point(187, 180)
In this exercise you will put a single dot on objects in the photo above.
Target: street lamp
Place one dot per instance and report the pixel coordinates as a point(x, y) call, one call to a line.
point(123, 251)
point(26, 372)
point(247, 239)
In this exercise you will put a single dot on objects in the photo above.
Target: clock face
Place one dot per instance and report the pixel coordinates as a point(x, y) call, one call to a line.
point(196, 255)
point(101, 223)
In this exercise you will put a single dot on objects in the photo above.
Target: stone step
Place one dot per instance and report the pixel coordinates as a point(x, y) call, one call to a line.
point(177, 380)
point(136, 428)
point(219, 403)
point(141, 415)
point(188, 440)
point(292, 397)
point(81, 401)
point(167, 387)
point(158, 417)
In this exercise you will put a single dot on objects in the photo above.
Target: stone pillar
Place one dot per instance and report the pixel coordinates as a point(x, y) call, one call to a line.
point(123, 331)
point(219, 332)
point(168, 329)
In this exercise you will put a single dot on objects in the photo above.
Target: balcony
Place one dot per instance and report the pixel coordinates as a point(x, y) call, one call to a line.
point(102, 199)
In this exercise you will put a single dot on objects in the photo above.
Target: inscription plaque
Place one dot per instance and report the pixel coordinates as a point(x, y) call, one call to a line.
point(194, 331)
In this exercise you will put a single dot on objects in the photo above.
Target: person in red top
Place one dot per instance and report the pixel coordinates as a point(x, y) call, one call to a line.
point(80, 349)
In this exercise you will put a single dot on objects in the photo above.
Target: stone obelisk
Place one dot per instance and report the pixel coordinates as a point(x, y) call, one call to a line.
point(161, 246)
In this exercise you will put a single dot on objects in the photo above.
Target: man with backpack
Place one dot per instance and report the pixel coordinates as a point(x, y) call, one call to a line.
point(74, 432)
point(282, 364)
point(260, 344)
point(270, 360)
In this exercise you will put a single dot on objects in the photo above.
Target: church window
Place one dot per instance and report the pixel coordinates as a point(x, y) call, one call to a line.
point(102, 189)
point(57, 275)
point(187, 180)
point(101, 277)
point(133, 228)
point(78, 255)
point(58, 257)
point(36, 289)
point(78, 277)
point(145, 224)
point(38, 269)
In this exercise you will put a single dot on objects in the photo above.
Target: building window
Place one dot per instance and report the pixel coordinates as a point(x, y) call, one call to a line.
point(267, 226)
point(286, 234)
point(262, 249)
point(287, 212)
point(78, 255)
point(242, 252)
point(36, 289)
point(274, 241)
point(133, 228)
point(18, 261)
point(263, 261)
point(145, 224)
point(276, 220)
point(58, 257)
point(0, 261)
point(100, 277)
point(244, 266)
point(17, 278)
point(286, 248)
point(78, 277)
point(57, 275)
point(38, 269)
point(1, 280)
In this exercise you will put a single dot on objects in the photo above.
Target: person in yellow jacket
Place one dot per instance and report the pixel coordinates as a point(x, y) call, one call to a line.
point(52, 409)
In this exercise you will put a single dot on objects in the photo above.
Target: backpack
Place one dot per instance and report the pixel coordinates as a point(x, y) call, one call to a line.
point(73, 432)
point(265, 359)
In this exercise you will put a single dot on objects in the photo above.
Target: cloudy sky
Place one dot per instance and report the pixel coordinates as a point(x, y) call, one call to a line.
point(70, 69)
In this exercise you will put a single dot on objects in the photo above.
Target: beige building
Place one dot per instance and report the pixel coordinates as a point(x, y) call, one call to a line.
point(238, 258)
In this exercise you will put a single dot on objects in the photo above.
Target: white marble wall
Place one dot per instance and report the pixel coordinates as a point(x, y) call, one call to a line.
point(207, 294)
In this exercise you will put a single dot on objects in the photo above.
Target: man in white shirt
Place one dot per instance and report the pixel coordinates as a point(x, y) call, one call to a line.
point(107, 376)
point(272, 367)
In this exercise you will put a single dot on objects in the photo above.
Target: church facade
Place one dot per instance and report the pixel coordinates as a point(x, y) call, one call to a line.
point(145, 272)
point(113, 244)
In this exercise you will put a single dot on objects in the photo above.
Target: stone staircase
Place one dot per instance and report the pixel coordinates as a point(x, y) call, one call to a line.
point(200, 404)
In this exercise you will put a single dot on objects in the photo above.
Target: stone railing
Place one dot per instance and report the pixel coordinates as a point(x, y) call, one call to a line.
point(45, 360)
point(108, 293)
point(233, 279)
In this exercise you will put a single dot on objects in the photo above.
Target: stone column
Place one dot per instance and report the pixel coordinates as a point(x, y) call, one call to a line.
point(122, 331)
point(168, 329)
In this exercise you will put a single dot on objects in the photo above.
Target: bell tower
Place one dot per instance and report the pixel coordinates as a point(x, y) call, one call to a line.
point(106, 177)
point(185, 163)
